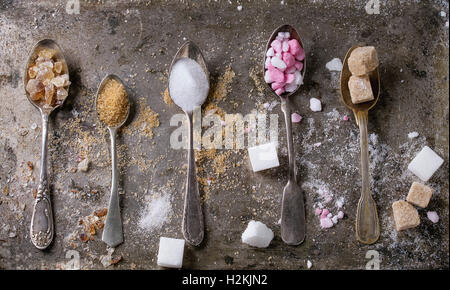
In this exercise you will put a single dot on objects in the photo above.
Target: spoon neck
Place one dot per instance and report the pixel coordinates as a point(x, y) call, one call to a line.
point(44, 145)
point(362, 120)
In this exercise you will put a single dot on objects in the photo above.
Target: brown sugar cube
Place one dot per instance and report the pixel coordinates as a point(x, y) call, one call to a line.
point(363, 60)
point(405, 215)
point(360, 89)
point(419, 194)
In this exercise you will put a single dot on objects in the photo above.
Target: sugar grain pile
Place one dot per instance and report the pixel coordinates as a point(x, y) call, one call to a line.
point(188, 84)
point(157, 212)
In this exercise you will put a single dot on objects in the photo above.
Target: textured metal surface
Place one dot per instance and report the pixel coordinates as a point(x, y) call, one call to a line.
point(136, 40)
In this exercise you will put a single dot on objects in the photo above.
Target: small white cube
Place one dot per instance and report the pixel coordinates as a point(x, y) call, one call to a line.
point(170, 254)
point(315, 105)
point(257, 234)
point(425, 164)
point(263, 156)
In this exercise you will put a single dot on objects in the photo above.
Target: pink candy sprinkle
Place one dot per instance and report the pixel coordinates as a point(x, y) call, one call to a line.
point(294, 46)
point(325, 212)
point(345, 118)
point(433, 216)
point(318, 211)
point(326, 223)
point(296, 118)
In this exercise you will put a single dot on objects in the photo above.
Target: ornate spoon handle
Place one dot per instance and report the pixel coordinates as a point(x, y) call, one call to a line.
point(42, 230)
point(367, 224)
point(192, 216)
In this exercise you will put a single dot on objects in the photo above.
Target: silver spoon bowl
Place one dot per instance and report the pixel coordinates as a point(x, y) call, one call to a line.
point(113, 232)
point(192, 225)
point(293, 226)
point(42, 228)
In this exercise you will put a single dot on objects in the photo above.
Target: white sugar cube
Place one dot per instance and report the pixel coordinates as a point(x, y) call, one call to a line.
point(257, 234)
point(315, 105)
point(170, 254)
point(263, 156)
point(425, 164)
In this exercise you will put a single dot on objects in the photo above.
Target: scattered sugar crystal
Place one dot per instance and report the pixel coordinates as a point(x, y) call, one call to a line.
point(325, 212)
point(334, 219)
point(318, 211)
point(156, 213)
point(170, 253)
point(83, 165)
point(278, 63)
point(413, 135)
point(330, 215)
point(425, 164)
point(33, 126)
point(334, 65)
point(270, 52)
point(263, 156)
point(296, 118)
point(345, 118)
point(257, 234)
point(267, 78)
point(188, 85)
point(446, 24)
point(308, 264)
point(433, 216)
point(443, 14)
point(326, 223)
point(315, 105)
point(239, 8)
point(340, 215)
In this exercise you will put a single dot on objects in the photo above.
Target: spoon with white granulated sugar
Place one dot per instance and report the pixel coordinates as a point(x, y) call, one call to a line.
point(188, 88)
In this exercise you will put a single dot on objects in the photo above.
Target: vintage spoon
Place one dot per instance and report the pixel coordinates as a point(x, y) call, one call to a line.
point(112, 232)
point(42, 230)
point(367, 224)
point(292, 206)
point(192, 226)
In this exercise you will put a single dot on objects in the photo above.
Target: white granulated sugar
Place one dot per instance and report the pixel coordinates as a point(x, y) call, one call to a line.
point(334, 65)
point(157, 212)
point(413, 135)
point(188, 84)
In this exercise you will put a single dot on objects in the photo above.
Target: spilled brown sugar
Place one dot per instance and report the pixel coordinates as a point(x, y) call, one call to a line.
point(112, 103)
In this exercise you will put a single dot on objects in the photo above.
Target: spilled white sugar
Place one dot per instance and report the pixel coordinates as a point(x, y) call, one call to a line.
point(156, 213)
point(188, 84)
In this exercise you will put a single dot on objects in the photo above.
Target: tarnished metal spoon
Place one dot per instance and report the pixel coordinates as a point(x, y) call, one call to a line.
point(42, 229)
point(367, 224)
point(192, 226)
point(112, 232)
point(293, 225)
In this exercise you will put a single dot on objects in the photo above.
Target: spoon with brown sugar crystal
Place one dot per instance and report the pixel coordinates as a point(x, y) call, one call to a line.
point(367, 225)
point(113, 109)
point(46, 83)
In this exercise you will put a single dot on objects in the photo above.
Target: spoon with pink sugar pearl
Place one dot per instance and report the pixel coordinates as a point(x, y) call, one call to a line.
point(284, 69)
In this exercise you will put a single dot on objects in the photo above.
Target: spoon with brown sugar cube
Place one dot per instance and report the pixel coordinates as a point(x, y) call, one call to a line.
point(46, 83)
point(367, 224)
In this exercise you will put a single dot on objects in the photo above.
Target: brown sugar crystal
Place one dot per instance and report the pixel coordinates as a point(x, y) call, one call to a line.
point(112, 103)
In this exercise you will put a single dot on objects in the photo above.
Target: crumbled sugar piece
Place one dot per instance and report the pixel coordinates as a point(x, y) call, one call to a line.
point(334, 65)
point(433, 216)
point(330, 215)
point(296, 118)
point(405, 215)
point(270, 52)
point(419, 194)
point(257, 234)
point(334, 219)
point(239, 8)
point(83, 165)
point(315, 105)
point(413, 135)
point(340, 202)
point(318, 211)
point(425, 164)
point(340, 215)
point(308, 264)
point(278, 63)
point(170, 253)
point(33, 126)
point(325, 212)
point(326, 223)
point(345, 118)
point(443, 14)
point(317, 144)
point(263, 156)
point(291, 87)
point(446, 24)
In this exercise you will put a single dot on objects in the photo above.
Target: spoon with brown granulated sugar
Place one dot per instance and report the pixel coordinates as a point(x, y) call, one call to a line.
point(113, 109)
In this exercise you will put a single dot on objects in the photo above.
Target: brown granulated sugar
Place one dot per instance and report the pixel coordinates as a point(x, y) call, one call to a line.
point(166, 97)
point(112, 103)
